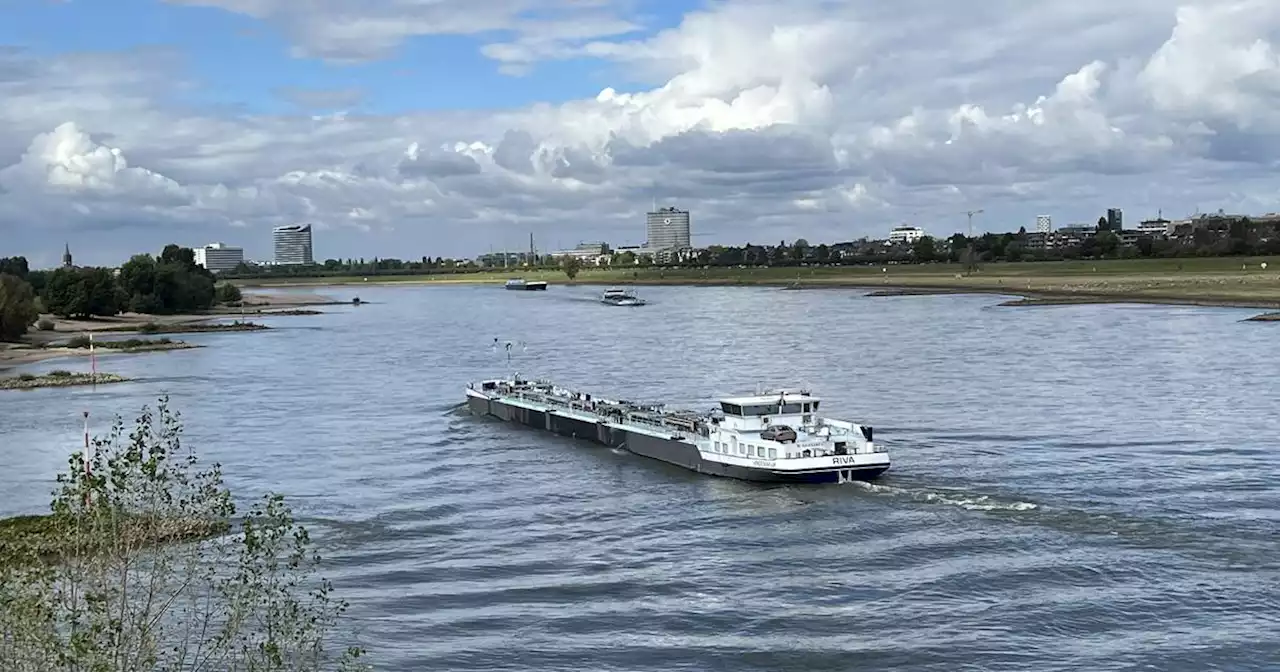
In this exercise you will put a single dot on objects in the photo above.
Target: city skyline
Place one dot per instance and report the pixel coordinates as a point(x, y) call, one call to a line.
point(900, 232)
point(767, 121)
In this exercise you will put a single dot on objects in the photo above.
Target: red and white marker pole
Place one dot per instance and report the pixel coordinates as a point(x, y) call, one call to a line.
point(88, 471)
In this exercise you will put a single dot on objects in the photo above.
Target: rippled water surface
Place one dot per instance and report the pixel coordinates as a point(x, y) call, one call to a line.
point(1074, 487)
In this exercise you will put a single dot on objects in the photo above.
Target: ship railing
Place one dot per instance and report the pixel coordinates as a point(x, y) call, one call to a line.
point(658, 423)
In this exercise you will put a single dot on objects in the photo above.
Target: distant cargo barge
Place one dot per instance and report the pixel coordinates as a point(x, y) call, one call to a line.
point(528, 285)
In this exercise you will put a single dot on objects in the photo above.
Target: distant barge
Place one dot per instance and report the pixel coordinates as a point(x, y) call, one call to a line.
point(777, 437)
point(527, 285)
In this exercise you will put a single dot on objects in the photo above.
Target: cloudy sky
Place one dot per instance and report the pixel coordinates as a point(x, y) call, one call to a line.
point(443, 127)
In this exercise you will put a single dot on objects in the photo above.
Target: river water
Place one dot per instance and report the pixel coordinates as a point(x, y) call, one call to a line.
point(1074, 487)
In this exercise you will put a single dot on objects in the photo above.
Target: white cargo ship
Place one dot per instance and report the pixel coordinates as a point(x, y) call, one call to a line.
point(774, 437)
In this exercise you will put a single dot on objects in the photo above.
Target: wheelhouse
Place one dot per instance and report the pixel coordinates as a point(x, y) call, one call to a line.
point(759, 412)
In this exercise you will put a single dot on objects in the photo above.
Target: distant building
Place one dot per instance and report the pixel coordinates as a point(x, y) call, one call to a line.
point(668, 229)
point(292, 244)
point(1156, 227)
point(591, 253)
point(66, 255)
point(219, 257)
point(1115, 220)
point(905, 234)
point(1044, 224)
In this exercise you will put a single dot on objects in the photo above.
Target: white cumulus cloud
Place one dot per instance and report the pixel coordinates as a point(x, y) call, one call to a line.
point(816, 119)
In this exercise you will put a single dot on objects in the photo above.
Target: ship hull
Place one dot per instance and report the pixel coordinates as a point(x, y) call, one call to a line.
point(669, 450)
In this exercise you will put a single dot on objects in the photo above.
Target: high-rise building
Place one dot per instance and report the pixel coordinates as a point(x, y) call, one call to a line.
point(1115, 220)
point(219, 257)
point(292, 244)
point(668, 229)
point(1044, 224)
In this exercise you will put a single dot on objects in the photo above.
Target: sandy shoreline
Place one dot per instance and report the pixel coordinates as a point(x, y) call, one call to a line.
point(1217, 289)
point(1075, 297)
point(35, 348)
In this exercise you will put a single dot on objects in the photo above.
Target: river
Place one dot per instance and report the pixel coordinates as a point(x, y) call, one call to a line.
point(1084, 487)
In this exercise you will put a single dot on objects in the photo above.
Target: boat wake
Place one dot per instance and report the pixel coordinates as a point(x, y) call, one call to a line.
point(459, 408)
point(965, 500)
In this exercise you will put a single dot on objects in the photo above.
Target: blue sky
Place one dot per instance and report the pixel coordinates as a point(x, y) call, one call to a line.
point(242, 63)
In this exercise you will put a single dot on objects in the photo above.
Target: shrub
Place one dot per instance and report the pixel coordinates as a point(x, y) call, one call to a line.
point(227, 293)
point(139, 567)
point(46, 324)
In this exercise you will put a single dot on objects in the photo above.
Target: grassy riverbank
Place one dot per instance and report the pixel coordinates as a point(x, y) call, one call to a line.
point(186, 327)
point(30, 381)
point(42, 342)
point(1224, 281)
point(44, 537)
point(129, 344)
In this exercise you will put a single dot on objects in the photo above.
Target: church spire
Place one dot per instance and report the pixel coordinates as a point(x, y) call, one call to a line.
point(66, 255)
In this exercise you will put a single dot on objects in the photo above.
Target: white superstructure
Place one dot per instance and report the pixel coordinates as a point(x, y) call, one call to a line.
point(617, 296)
point(784, 431)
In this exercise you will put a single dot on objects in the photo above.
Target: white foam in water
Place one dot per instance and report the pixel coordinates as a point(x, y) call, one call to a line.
point(969, 502)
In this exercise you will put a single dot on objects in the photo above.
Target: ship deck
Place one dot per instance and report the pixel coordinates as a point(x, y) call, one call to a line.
point(688, 424)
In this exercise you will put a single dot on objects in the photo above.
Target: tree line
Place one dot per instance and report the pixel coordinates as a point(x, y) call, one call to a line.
point(1210, 238)
point(166, 284)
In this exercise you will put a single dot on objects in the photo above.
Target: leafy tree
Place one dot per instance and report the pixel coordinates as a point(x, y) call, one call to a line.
point(38, 280)
point(571, 266)
point(17, 307)
point(173, 283)
point(924, 249)
point(799, 249)
point(82, 292)
point(228, 293)
point(176, 254)
point(139, 567)
point(15, 266)
point(1108, 243)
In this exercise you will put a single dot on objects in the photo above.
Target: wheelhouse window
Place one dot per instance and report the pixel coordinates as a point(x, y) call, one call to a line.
point(753, 410)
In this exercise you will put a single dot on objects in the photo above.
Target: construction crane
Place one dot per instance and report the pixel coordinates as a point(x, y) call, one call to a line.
point(972, 266)
point(970, 215)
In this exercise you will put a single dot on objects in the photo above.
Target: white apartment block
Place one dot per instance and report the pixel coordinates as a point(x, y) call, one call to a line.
point(218, 257)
